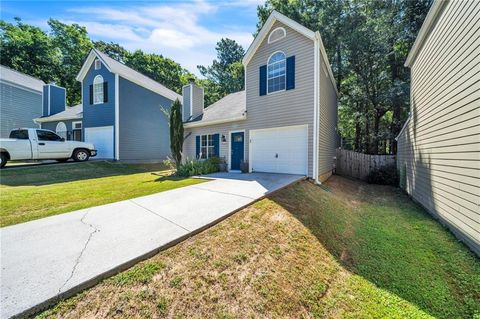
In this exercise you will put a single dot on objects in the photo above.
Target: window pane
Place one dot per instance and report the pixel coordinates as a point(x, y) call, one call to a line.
point(47, 136)
point(19, 134)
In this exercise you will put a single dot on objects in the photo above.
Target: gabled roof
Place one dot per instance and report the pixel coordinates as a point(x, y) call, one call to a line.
point(21, 79)
point(232, 107)
point(427, 26)
point(277, 16)
point(70, 113)
point(126, 73)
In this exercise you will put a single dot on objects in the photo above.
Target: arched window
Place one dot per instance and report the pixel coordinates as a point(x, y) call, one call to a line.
point(61, 130)
point(98, 90)
point(276, 72)
point(277, 34)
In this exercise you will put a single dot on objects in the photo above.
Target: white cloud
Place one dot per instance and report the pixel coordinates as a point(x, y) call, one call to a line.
point(177, 30)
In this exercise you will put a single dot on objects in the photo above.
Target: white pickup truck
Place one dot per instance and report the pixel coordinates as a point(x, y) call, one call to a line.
point(39, 144)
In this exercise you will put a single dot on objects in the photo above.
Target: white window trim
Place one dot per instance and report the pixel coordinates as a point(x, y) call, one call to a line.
point(99, 63)
point(57, 129)
point(213, 146)
point(273, 31)
point(76, 128)
point(230, 147)
point(268, 92)
point(103, 93)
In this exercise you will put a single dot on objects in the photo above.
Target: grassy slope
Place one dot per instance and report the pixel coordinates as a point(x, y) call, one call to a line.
point(36, 192)
point(355, 251)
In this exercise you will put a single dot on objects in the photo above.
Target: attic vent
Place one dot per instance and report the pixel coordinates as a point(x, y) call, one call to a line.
point(98, 64)
point(277, 34)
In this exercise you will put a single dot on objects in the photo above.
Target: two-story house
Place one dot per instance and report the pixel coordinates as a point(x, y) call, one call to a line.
point(284, 121)
point(122, 112)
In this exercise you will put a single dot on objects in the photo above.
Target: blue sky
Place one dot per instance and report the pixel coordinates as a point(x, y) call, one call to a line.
point(185, 31)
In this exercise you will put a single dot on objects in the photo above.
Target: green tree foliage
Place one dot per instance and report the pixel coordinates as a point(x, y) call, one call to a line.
point(226, 74)
point(72, 41)
point(367, 42)
point(159, 68)
point(176, 132)
point(58, 55)
point(28, 49)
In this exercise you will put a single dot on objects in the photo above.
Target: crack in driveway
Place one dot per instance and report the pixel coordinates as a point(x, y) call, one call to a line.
point(77, 261)
point(225, 193)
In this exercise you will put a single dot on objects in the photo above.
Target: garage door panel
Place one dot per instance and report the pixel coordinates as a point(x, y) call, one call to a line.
point(102, 139)
point(280, 150)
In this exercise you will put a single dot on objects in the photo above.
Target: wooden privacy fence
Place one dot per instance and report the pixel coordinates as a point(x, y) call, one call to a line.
point(359, 165)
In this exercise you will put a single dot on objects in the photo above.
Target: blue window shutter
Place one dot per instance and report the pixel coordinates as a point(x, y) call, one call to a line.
point(290, 72)
point(263, 80)
point(197, 147)
point(216, 144)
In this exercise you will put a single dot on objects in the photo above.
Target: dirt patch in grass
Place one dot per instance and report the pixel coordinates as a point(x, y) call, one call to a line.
point(305, 252)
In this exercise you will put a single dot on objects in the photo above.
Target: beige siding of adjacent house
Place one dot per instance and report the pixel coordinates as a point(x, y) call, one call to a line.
point(439, 149)
point(327, 142)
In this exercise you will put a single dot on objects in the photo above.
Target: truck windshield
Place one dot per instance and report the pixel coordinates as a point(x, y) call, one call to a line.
point(19, 134)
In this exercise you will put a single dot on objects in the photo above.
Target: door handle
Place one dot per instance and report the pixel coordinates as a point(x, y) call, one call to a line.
point(41, 143)
point(276, 155)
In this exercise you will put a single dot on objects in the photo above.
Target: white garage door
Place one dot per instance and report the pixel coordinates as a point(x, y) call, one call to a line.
point(280, 150)
point(102, 138)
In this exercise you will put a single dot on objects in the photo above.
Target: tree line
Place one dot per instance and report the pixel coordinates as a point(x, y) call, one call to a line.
point(367, 42)
point(57, 56)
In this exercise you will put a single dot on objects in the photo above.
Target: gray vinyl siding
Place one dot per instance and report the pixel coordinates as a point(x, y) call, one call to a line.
point(186, 103)
point(439, 149)
point(287, 108)
point(197, 101)
point(327, 142)
point(143, 129)
point(189, 146)
point(18, 108)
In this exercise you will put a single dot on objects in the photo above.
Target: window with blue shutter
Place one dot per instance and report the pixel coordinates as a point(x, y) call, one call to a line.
point(290, 73)
point(197, 146)
point(263, 80)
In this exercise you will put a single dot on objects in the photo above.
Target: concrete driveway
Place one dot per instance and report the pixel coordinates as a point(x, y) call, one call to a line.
point(55, 257)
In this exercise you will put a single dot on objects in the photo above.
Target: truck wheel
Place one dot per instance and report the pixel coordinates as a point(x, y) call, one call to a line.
point(81, 155)
point(3, 160)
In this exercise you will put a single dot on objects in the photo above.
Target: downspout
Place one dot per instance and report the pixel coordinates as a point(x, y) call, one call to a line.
point(117, 118)
point(316, 83)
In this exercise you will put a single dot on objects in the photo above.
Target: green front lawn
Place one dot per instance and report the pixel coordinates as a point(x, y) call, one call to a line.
point(343, 250)
point(36, 192)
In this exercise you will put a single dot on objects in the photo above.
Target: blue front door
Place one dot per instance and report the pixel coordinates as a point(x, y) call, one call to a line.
point(237, 150)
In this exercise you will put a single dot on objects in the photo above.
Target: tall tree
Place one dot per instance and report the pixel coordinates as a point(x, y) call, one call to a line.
point(159, 68)
point(28, 49)
point(226, 74)
point(176, 132)
point(73, 43)
point(113, 50)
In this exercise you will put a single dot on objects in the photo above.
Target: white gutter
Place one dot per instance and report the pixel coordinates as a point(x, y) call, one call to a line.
point(316, 84)
point(66, 118)
point(200, 123)
point(117, 117)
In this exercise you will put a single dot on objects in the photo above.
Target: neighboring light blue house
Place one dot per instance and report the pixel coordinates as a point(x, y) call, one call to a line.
point(20, 100)
point(121, 112)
